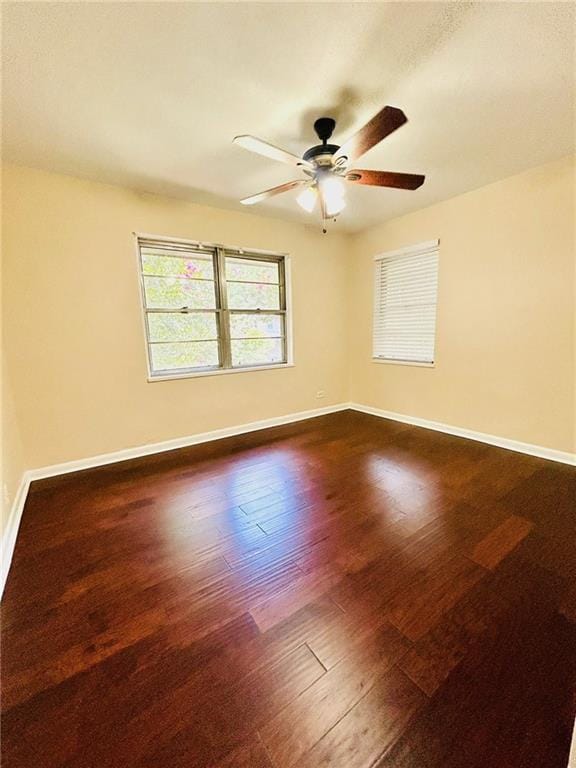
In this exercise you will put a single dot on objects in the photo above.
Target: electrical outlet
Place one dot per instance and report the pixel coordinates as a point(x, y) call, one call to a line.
point(320, 394)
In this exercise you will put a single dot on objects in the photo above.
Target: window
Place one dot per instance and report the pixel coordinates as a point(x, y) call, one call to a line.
point(406, 284)
point(211, 308)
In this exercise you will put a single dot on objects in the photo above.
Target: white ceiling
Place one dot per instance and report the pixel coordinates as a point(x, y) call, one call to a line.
point(150, 95)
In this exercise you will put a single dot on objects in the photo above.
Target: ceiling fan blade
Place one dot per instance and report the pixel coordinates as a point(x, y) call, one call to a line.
point(252, 144)
point(274, 191)
point(381, 125)
point(386, 179)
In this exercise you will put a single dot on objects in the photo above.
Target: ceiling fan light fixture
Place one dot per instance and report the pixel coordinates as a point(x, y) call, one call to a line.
point(334, 194)
point(307, 199)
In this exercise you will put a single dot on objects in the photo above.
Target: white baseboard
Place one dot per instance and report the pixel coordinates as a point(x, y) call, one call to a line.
point(501, 442)
point(12, 526)
point(572, 758)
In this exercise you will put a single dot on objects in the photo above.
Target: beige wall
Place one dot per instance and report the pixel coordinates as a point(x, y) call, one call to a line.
point(12, 464)
point(74, 328)
point(505, 336)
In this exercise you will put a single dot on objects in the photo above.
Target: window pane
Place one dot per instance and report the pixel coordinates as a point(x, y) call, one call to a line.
point(250, 296)
point(196, 354)
point(170, 327)
point(255, 326)
point(197, 266)
point(173, 292)
point(251, 271)
point(256, 351)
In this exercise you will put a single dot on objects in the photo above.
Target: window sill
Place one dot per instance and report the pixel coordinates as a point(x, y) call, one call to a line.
point(413, 363)
point(217, 372)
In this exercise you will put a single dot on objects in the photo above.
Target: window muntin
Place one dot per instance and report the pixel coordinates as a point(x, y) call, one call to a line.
point(211, 309)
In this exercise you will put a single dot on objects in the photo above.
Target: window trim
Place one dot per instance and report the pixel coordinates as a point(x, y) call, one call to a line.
point(219, 249)
point(408, 250)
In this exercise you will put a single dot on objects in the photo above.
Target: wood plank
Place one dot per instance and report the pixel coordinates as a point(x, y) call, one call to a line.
point(305, 589)
point(431, 659)
point(415, 610)
point(501, 541)
point(509, 702)
point(251, 755)
point(345, 638)
point(226, 716)
point(371, 727)
point(304, 722)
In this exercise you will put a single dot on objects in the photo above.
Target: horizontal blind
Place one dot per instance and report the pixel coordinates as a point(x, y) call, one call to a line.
point(405, 297)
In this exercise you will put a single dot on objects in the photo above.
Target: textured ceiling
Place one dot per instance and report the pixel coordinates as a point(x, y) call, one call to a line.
point(150, 95)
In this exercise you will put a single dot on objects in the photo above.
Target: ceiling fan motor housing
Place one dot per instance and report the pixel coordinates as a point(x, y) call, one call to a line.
point(322, 154)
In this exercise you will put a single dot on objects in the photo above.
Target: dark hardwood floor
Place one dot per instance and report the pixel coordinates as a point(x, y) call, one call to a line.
point(345, 592)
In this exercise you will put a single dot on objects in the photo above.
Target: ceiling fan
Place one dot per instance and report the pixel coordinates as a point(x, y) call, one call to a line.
point(326, 166)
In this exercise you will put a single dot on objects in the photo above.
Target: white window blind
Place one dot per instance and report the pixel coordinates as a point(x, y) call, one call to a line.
point(405, 297)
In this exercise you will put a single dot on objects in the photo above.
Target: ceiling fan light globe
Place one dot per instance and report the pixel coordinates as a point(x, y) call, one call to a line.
point(334, 194)
point(334, 207)
point(332, 186)
point(307, 199)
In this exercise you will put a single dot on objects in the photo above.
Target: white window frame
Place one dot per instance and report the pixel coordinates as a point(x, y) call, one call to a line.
point(410, 250)
point(284, 258)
